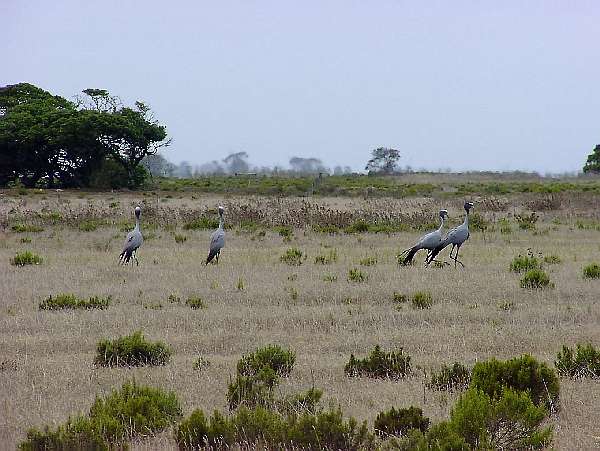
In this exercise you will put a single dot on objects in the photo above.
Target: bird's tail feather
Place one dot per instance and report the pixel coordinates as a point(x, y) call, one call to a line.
point(211, 255)
point(407, 256)
point(125, 256)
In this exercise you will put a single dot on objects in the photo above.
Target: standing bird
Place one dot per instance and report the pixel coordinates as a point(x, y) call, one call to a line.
point(456, 237)
point(133, 241)
point(428, 241)
point(217, 240)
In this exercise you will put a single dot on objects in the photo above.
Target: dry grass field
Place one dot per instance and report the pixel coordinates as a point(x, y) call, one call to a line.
point(253, 299)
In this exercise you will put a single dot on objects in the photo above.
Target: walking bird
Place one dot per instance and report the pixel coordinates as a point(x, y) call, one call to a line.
point(456, 237)
point(133, 241)
point(428, 241)
point(217, 240)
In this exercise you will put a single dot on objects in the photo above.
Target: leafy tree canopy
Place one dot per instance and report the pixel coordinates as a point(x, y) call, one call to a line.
point(593, 161)
point(383, 160)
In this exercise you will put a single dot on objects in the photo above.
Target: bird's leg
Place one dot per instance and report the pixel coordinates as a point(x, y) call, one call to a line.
point(217, 257)
point(137, 262)
point(456, 260)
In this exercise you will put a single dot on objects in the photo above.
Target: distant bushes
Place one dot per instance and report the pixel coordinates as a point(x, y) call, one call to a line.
point(26, 228)
point(584, 361)
point(70, 301)
point(133, 411)
point(132, 350)
point(450, 378)
point(26, 258)
point(400, 421)
point(202, 223)
point(380, 364)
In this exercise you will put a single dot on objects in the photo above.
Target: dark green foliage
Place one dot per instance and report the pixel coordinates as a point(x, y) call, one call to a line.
point(303, 402)
point(202, 224)
point(399, 298)
point(384, 160)
point(584, 361)
point(293, 256)
point(422, 300)
point(25, 258)
point(527, 222)
point(552, 259)
point(523, 373)
point(195, 303)
point(26, 228)
point(280, 360)
point(88, 226)
point(400, 421)
point(591, 271)
point(70, 301)
point(286, 232)
point(524, 263)
point(509, 420)
point(450, 378)
point(380, 364)
point(77, 434)
point(592, 163)
point(132, 350)
point(536, 279)
point(478, 222)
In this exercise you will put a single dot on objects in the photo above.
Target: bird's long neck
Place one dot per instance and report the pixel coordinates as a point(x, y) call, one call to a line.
point(466, 222)
point(221, 221)
point(137, 223)
point(441, 224)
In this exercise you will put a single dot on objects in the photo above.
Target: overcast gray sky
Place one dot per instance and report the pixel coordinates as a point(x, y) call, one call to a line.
point(452, 84)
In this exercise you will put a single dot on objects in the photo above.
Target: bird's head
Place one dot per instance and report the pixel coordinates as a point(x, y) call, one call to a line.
point(443, 214)
point(221, 210)
point(138, 211)
point(468, 206)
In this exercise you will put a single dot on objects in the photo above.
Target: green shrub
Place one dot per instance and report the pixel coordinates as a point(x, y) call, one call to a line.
point(399, 298)
point(422, 300)
point(527, 222)
point(132, 350)
point(536, 279)
point(285, 232)
point(591, 271)
point(201, 224)
point(201, 363)
point(380, 364)
point(357, 227)
point(70, 301)
point(79, 433)
point(134, 411)
point(252, 391)
point(368, 261)
point(584, 362)
point(451, 378)
point(329, 277)
point(552, 259)
point(25, 240)
point(523, 373)
point(508, 421)
point(195, 302)
point(303, 402)
point(401, 421)
point(280, 360)
point(331, 229)
point(26, 228)
point(173, 299)
point(293, 256)
point(180, 238)
point(505, 228)
point(88, 226)
point(356, 275)
point(524, 263)
point(327, 259)
point(26, 258)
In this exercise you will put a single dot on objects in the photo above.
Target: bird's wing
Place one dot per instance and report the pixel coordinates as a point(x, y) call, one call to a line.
point(133, 241)
point(431, 240)
point(217, 240)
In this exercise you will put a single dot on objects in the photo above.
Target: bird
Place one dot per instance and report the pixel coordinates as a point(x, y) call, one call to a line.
point(456, 237)
point(217, 240)
point(428, 241)
point(133, 241)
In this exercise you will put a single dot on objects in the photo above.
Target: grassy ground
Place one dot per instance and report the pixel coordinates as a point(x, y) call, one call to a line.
point(478, 312)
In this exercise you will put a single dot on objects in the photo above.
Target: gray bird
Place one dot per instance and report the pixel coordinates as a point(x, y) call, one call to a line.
point(133, 241)
point(428, 241)
point(217, 240)
point(456, 237)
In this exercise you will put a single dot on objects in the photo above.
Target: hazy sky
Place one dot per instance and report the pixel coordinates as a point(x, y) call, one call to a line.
point(452, 84)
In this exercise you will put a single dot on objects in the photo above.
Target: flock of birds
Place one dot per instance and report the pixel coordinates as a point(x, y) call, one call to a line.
point(433, 241)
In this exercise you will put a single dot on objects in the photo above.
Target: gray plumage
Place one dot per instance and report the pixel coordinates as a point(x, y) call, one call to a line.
point(456, 237)
point(428, 241)
point(133, 241)
point(217, 240)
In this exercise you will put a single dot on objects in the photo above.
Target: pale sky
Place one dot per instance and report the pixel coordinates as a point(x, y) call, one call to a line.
point(480, 85)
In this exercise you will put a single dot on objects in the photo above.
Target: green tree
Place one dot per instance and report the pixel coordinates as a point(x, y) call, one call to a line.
point(593, 161)
point(383, 160)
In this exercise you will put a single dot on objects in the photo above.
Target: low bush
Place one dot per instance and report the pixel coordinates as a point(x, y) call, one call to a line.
point(195, 303)
point(285, 232)
point(26, 228)
point(536, 279)
point(450, 378)
point(356, 275)
point(527, 222)
point(368, 261)
point(252, 391)
point(422, 300)
point(400, 421)
point(329, 277)
point(399, 298)
point(280, 360)
point(380, 364)
point(303, 402)
point(132, 350)
point(78, 433)
point(326, 259)
point(180, 238)
point(584, 361)
point(524, 263)
point(293, 256)
point(88, 226)
point(70, 301)
point(523, 373)
point(202, 224)
point(552, 259)
point(591, 271)
point(26, 258)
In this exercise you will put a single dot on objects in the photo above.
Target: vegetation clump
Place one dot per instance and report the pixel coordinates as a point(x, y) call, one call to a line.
point(132, 350)
point(527, 222)
point(422, 300)
point(274, 357)
point(584, 361)
point(592, 271)
point(524, 263)
point(293, 256)
point(180, 238)
point(195, 303)
point(368, 261)
point(26, 228)
point(450, 378)
point(201, 223)
point(326, 259)
point(380, 364)
point(552, 259)
point(26, 258)
point(356, 275)
point(70, 301)
point(400, 421)
point(536, 279)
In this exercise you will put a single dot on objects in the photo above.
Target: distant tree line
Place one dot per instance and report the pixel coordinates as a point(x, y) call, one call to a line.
point(47, 140)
